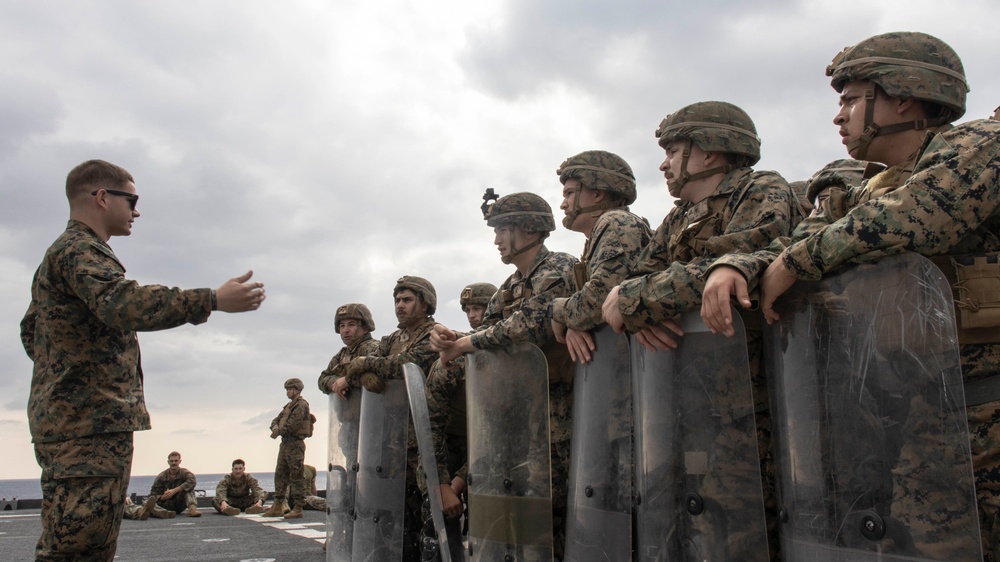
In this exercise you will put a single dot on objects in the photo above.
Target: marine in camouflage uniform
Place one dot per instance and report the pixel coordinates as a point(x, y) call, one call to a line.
point(724, 206)
point(357, 338)
point(448, 425)
point(518, 312)
point(598, 187)
point(80, 333)
point(293, 425)
point(239, 491)
point(941, 198)
point(416, 302)
point(178, 483)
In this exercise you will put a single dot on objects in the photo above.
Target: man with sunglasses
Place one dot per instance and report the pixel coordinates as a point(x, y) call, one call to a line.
point(86, 395)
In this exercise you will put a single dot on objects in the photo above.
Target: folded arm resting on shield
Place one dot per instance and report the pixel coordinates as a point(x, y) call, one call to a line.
point(653, 338)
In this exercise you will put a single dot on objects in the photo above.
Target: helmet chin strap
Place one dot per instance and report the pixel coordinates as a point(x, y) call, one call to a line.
point(577, 210)
point(514, 252)
point(684, 177)
point(858, 147)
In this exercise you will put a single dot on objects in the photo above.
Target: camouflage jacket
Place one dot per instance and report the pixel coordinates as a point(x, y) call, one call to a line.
point(411, 345)
point(447, 411)
point(79, 331)
point(367, 346)
point(746, 213)
point(519, 311)
point(950, 205)
point(293, 421)
point(247, 486)
point(613, 246)
point(163, 482)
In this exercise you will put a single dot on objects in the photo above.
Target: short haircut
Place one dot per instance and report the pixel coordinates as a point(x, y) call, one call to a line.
point(173, 454)
point(239, 461)
point(95, 174)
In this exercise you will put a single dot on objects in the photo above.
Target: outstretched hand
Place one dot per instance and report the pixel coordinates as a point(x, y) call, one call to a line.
point(239, 294)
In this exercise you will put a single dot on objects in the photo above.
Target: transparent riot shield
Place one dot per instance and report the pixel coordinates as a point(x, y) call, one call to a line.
point(378, 526)
point(599, 520)
point(342, 476)
point(697, 464)
point(415, 385)
point(510, 497)
point(869, 421)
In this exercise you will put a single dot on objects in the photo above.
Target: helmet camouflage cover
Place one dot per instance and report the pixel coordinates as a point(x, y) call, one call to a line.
point(295, 383)
point(713, 126)
point(421, 287)
point(477, 293)
point(525, 210)
point(354, 311)
point(601, 171)
point(908, 65)
point(846, 172)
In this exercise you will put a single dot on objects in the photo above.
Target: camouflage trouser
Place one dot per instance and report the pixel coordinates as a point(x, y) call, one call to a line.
point(239, 503)
point(84, 484)
point(560, 495)
point(132, 511)
point(984, 427)
point(412, 515)
point(289, 470)
point(179, 502)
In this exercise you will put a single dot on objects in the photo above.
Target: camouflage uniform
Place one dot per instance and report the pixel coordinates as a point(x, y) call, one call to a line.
point(405, 345)
point(288, 473)
point(367, 346)
point(944, 204)
point(519, 313)
point(746, 212)
point(616, 241)
point(177, 503)
point(79, 331)
point(240, 494)
point(669, 275)
point(954, 194)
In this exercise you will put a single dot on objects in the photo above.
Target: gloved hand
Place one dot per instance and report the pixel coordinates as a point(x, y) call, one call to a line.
point(274, 433)
point(372, 383)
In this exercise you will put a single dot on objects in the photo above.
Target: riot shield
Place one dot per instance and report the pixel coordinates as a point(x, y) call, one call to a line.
point(697, 464)
point(342, 476)
point(869, 421)
point(378, 526)
point(599, 520)
point(422, 427)
point(510, 497)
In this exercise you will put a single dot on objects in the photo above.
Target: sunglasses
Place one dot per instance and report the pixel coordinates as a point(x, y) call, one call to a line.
point(133, 199)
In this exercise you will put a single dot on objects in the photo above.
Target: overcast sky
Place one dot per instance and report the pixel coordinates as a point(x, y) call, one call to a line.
point(332, 146)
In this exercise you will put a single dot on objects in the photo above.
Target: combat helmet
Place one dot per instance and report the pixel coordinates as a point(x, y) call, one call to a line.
point(601, 171)
point(526, 211)
point(845, 172)
point(713, 126)
point(421, 287)
point(477, 293)
point(907, 65)
point(295, 383)
point(354, 311)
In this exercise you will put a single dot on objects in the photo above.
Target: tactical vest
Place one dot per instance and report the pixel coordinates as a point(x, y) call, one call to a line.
point(556, 354)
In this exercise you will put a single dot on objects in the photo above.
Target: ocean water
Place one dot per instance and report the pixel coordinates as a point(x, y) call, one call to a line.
point(139, 485)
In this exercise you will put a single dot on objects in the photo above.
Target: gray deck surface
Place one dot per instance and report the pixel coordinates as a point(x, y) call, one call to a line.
point(209, 537)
